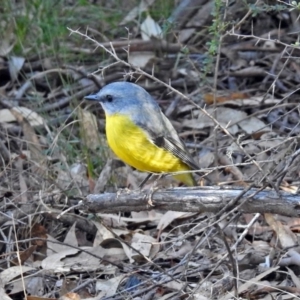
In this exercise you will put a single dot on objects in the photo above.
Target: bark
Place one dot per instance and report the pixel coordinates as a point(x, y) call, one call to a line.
point(198, 199)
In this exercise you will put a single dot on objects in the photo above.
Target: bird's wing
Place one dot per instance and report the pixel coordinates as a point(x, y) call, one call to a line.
point(165, 136)
point(176, 148)
point(173, 143)
point(162, 133)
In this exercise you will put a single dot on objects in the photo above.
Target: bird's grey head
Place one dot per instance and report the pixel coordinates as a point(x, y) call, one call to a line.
point(124, 98)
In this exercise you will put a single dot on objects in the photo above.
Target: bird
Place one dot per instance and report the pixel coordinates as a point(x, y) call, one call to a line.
point(140, 134)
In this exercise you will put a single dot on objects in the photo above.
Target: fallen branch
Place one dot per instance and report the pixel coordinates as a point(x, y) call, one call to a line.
point(198, 199)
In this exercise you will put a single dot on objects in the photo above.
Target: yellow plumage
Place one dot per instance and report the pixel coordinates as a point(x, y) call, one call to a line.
point(140, 134)
point(132, 145)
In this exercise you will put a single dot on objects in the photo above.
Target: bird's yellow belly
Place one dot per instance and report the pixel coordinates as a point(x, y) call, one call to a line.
point(132, 145)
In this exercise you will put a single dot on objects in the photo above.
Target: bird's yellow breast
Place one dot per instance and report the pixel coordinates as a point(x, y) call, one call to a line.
point(132, 145)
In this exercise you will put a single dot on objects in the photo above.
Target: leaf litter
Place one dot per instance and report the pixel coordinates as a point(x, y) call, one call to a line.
point(54, 153)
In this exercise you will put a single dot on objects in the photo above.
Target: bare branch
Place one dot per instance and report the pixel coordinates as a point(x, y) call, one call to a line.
point(198, 199)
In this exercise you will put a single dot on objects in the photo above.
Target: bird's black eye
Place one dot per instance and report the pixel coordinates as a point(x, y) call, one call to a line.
point(109, 98)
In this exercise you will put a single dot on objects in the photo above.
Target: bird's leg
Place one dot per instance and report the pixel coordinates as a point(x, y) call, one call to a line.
point(154, 188)
point(145, 180)
point(159, 177)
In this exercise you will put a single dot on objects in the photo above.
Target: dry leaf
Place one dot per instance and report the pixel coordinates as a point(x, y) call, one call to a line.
point(32, 141)
point(224, 115)
point(198, 20)
point(9, 274)
point(34, 285)
point(102, 234)
point(170, 296)
point(192, 75)
point(9, 40)
point(199, 296)
point(246, 285)
point(103, 178)
point(56, 263)
point(140, 59)
point(137, 10)
point(3, 295)
point(210, 98)
point(286, 237)
point(70, 238)
point(115, 248)
point(89, 129)
point(108, 287)
point(79, 261)
point(169, 217)
point(253, 124)
point(70, 296)
point(295, 278)
point(17, 285)
point(32, 117)
point(24, 255)
point(23, 185)
point(143, 244)
point(253, 101)
point(149, 28)
point(55, 247)
point(15, 64)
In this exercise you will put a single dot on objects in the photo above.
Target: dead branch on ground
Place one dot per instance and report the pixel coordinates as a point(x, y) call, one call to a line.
point(198, 199)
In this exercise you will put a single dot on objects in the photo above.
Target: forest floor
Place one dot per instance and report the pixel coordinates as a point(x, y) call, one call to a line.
point(227, 75)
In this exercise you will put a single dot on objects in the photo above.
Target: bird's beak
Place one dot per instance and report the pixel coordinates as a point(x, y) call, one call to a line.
point(91, 97)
